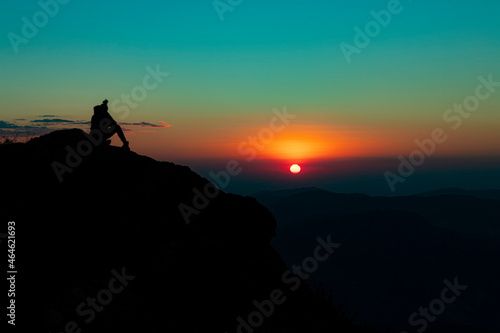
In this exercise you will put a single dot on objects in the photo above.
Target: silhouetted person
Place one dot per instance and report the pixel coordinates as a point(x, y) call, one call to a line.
point(102, 116)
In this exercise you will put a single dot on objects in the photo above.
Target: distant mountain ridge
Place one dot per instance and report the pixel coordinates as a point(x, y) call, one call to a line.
point(396, 252)
point(456, 212)
point(486, 194)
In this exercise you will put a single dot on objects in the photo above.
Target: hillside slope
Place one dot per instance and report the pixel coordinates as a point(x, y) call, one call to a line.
point(188, 258)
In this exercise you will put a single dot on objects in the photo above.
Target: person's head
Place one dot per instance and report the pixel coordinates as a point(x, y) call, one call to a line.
point(105, 102)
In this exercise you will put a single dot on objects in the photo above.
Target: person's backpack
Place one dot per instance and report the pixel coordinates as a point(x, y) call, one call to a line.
point(96, 118)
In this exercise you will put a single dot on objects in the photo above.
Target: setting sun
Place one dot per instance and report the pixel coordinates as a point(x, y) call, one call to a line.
point(295, 168)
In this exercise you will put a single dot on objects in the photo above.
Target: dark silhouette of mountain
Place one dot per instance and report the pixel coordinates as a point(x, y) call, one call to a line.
point(103, 246)
point(396, 253)
point(487, 194)
point(456, 212)
point(269, 197)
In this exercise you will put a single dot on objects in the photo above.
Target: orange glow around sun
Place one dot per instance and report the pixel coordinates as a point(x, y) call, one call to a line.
point(300, 147)
point(312, 144)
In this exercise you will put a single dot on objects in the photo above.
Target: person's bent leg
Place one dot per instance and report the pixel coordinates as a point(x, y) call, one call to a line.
point(108, 135)
point(100, 137)
point(119, 131)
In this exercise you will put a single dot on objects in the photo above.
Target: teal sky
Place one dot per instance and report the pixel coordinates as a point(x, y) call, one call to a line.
point(263, 54)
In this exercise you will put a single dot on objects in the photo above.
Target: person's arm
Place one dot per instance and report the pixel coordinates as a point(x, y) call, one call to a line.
point(111, 118)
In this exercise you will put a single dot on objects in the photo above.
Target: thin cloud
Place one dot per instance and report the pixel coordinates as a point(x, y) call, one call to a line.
point(161, 124)
point(81, 122)
point(57, 120)
point(24, 131)
point(7, 125)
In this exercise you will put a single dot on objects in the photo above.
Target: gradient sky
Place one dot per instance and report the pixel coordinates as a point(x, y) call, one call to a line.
point(227, 76)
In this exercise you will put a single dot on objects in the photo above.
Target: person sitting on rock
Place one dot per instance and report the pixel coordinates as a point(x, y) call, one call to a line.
point(102, 121)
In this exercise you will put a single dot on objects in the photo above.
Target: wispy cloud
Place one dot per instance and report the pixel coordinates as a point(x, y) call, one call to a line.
point(56, 120)
point(10, 129)
point(23, 127)
point(161, 124)
point(5, 125)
